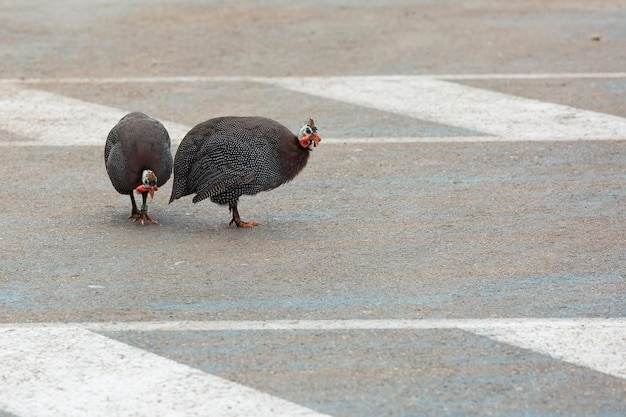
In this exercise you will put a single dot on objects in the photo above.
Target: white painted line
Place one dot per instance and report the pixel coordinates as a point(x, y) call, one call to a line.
point(437, 139)
point(245, 325)
point(70, 371)
point(55, 120)
point(493, 113)
point(599, 344)
point(129, 80)
point(356, 324)
point(414, 139)
point(596, 343)
point(536, 76)
point(51, 119)
point(524, 76)
point(213, 79)
point(382, 324)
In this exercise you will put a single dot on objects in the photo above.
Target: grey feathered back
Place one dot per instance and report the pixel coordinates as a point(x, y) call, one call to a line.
point(137, 142)
point(226, 157)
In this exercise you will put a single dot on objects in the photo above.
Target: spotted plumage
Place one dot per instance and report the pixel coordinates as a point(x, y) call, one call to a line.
point(137, 157)
point(227, 157)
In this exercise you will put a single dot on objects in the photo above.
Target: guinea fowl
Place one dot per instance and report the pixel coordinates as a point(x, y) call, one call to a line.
point(138, 157)
point(227, 157)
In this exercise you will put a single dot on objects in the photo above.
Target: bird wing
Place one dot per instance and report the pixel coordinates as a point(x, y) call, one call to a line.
point(223, 186)
point(111, 141)
point(224, 164)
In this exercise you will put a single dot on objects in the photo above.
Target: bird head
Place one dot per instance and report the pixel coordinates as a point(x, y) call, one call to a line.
point(148, 183)
point(308, 134)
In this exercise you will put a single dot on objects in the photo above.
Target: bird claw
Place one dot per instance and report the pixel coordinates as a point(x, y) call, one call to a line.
point(240, 223)
point(142, 217)
point(237, 220)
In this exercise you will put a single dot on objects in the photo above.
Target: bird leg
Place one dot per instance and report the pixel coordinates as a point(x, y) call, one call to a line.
point(134, 214)
point(142, 215)
point(237, 220)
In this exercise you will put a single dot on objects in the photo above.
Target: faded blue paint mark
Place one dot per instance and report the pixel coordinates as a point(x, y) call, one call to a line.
point(617, 87)
point(512, 295)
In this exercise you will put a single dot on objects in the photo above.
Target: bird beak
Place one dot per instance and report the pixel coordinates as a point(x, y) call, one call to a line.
point(151, 191)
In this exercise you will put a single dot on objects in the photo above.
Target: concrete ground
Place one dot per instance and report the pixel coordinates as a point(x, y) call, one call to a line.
point(409, 220)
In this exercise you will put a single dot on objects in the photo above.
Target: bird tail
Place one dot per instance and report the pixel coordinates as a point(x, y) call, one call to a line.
point(177, 192)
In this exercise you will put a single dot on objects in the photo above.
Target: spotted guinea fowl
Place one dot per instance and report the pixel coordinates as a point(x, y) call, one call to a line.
point(227, 157)
point(138, 157)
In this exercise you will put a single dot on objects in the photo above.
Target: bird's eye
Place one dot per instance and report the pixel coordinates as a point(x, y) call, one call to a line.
point(308, 130)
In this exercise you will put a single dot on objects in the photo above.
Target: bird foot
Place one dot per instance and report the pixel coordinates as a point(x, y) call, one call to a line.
point(240, 223)
point(142, 216)
point(237, 220)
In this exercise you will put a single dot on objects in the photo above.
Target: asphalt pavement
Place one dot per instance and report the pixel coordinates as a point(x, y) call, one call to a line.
point(456, 245)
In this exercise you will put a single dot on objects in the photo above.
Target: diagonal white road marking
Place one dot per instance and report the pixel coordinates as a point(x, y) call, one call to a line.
point(596, 343)
point(52, 119)
point(243, 78)
point(50, 369)
point(497, 114)
point(70, 371)
point(599, 345)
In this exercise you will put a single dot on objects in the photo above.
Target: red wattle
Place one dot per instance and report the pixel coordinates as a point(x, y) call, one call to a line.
point(305, 141)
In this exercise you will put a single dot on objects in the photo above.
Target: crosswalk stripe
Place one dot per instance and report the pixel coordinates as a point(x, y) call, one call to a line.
point(453, 104)
point(596, 343)
point(55, 120)
point(44, 118)
point(71, 371)
point(244, 78)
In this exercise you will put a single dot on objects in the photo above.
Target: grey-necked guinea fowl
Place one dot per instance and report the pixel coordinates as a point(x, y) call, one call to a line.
point(138, 158)
point(227, 157)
